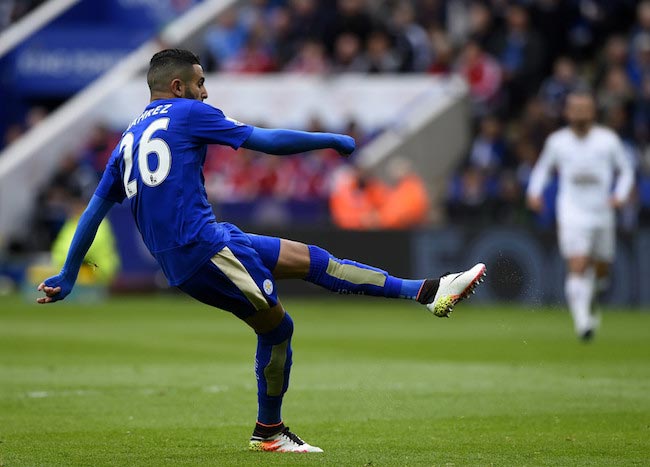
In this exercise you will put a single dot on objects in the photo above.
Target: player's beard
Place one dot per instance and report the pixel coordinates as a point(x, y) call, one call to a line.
point(188, 94)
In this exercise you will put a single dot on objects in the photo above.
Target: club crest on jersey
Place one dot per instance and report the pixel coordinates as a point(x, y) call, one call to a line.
point(268, 286)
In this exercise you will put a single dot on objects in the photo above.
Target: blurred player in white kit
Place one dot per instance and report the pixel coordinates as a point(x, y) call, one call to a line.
point(588, 157)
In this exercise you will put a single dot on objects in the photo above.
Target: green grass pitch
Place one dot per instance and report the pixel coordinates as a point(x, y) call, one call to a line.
point(161, 380)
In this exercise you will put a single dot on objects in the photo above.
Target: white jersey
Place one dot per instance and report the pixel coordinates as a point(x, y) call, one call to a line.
point(586, 167)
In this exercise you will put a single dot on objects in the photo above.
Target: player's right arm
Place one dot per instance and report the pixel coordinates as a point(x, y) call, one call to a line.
point(539, 176)
point(109, 191)
point(59, 286)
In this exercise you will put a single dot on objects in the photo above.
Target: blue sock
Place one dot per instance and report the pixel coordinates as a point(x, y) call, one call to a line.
point(411, 288)
point(349, 277)
point(272, 368)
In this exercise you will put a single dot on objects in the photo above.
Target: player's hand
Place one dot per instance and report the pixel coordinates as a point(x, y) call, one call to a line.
point(616, 203)
point(346, 145)
point(55, 288)
point(535, 203)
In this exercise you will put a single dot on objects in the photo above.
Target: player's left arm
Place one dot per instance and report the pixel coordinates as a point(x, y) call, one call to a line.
point(625, 180)
point(207, 124)
point(282, 142)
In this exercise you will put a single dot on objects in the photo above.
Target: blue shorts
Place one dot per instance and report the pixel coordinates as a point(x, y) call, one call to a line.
point(239, 278)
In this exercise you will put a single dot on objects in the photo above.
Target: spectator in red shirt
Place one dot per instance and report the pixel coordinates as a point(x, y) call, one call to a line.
point(483, 74)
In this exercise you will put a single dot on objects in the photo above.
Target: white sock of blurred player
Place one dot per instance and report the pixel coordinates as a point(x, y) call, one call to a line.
point(579, 293)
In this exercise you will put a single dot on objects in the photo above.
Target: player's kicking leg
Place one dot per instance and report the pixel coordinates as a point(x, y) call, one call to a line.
point(289, 259)
point(350, 277)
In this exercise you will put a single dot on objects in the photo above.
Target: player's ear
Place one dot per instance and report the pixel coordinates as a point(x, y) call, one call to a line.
point(178, 87)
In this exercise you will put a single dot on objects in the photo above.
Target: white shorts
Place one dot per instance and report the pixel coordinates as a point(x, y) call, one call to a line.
point(598, 243)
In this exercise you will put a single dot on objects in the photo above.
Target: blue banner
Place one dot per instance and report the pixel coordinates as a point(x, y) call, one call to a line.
point(85, 42)
point(61, 61)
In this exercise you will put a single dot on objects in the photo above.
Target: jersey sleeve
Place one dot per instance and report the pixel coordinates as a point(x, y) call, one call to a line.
point(542, 170)
point(110, 186)
point(208, 125)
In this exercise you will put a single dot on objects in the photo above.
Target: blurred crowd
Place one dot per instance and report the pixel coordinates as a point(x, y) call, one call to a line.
point(519, 58)
point(511, 41)
point(13, 10)
point(35, 115)
point(519, 77)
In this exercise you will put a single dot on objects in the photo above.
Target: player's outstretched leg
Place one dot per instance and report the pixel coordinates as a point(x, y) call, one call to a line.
point(272, 368)
point(351, 277)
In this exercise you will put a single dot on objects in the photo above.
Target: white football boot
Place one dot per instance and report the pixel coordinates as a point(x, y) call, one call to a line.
point(452, 288)
point(284, 441)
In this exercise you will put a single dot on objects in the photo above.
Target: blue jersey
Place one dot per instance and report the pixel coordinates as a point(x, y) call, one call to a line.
point(158, 167)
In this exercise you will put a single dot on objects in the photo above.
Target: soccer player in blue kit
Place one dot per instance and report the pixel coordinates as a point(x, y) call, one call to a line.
point(158, 168)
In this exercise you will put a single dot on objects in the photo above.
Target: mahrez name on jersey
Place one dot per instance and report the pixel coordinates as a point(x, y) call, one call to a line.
point(161, 109)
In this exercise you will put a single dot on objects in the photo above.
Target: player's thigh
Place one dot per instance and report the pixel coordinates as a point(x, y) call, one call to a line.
point(294, 260)
point(235, 280)
point(576, 245)
point(287, 259)
point(575, 241)
point(268, 249)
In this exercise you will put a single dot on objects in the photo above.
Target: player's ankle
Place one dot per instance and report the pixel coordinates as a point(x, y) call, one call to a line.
point(428, 291)
point(264, 430)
